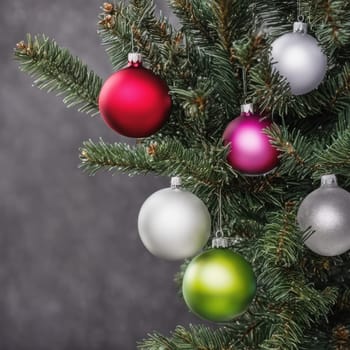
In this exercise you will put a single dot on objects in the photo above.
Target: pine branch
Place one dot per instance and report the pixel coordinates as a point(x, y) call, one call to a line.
point(202, 120)
point(293, 303)
point(339, 88)
point(196, 337)
point(194, 17)
point(156, 341)
point(224, 13)
point(114, 28)
point(343, 303)
point(336, 157)
point(268, 89)
point(224, 78)
point(121, 26)
point(275, 16)
point(283, 248)
point(297, 152)
point(56, 70)
point(168, 158)
point(331, 21)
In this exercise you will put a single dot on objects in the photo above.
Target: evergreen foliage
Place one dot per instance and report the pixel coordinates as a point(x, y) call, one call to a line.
point(303, 300)
point(55, 69)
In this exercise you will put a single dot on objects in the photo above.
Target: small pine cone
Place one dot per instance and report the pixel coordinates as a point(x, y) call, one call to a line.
point(21, 46)
point(201, 102)
point(152, 149)
point(107, 22)
point(178, 38)
point(108, 7)
point(341, 335)
point(84, 155)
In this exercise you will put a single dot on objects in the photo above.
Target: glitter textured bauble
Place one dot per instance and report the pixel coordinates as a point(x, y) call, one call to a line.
point(174, 224)
point(134, 101)
point(326, 211)
point(251, 151)
point(219, 285)
point(298, 57)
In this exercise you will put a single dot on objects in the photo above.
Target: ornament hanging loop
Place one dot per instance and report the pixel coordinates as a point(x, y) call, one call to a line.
point(220, 215)
point(219, 241)
point(244, 79)
point(299, 26)
point(132, 39)
point(299, 15)
point(219, 234)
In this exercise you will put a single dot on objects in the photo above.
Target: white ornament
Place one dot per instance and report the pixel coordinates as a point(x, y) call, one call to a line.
point(326, 212)
point(298, 57)
point(173, 223)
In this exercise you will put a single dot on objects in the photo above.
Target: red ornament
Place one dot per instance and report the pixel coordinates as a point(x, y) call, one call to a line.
point(251, 151)
point(134, 101)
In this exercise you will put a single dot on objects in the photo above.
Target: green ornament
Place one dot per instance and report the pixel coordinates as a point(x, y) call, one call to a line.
point(219, 285)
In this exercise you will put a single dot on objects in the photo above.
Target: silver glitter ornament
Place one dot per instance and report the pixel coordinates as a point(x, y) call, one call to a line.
point(298, 57)
point(173, 223)
point(326, 211)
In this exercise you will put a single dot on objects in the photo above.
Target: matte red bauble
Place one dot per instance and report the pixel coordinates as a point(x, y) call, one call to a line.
point(134, 101)
point(251, 151)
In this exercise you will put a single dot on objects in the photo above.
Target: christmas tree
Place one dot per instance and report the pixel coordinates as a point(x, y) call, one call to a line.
point(217, 59)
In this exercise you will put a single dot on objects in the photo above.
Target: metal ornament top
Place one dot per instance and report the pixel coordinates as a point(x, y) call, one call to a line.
point(134, 59)
point(176, 182)
point(220, 242)
point(300, 27)
point(329, 180)
point(247, 108)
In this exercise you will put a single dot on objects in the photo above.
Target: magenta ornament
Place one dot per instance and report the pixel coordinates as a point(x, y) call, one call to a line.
point(251, 151)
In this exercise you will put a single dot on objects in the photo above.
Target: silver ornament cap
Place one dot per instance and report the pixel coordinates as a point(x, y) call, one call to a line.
point(325, 213)
point(300, 27)
point(220, 242)
point(134, 57)
point(329, 180)
point(247, 108)
point(176, 182)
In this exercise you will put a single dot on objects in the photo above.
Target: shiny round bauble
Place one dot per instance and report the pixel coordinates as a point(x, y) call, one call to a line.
point(174, 224)
point(326, 213)
point(219, 285)
point(135, 102)
point(298, 57)
point(251, 151)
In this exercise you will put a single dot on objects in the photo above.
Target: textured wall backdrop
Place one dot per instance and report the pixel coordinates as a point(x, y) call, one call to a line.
point(73, 272)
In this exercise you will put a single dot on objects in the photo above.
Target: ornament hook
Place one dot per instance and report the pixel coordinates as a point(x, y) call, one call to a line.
point(298, 9)
point(219, 241)
point(299, 26)
point(244, 78)
point(220, 214)
point(132, 39)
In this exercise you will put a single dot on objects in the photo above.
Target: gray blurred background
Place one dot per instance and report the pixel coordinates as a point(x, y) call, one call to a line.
point(73, 272)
